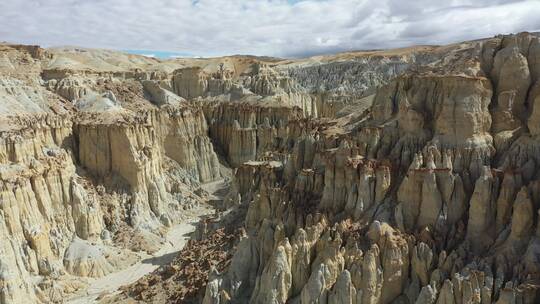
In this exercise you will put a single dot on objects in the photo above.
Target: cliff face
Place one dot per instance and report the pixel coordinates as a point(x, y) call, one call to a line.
point(400, 176)
point(258, 82)
point(36, 204)
point(248, 130)
point(56, 221)
point(93, 166)
point(429, 196)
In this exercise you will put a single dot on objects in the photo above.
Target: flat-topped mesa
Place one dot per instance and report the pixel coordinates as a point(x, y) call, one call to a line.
point(341, 81)
point(22, 61)
point(35, 51)
point(258, 81)
point(175, 132)
point(73, 85)
point(52, 74)
point(31, 137)
point(334, 86)
point(187, 143)
point(194, 82)
point(266, 81)
point(245, 131)
point(431, 106)
point(127, 154)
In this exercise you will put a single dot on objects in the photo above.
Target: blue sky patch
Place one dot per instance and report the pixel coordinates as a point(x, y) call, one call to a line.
point(159, 54)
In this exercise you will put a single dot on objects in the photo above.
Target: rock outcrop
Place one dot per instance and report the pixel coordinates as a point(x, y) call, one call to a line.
point(429, 196)
point(89, 171)
point(399, 176)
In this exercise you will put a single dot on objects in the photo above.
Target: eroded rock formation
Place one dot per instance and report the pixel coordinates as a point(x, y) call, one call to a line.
point(399, 176)
point(429, 196)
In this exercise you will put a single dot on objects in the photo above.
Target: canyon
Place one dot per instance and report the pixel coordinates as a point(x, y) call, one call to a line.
point(388, 176)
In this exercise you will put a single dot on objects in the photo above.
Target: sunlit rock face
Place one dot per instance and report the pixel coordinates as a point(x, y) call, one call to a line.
point(87, 157)
point(399, 176)
point(430, 195)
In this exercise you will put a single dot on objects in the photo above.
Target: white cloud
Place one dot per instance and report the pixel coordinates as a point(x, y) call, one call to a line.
point(260, 27)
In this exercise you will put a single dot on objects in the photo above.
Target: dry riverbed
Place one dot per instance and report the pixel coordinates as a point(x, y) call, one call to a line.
point(92, 290)
point(175, 239)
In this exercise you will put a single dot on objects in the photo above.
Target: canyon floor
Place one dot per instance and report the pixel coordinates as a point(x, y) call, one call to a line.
point(389, 176)
point(175, 240)
point(176, 237)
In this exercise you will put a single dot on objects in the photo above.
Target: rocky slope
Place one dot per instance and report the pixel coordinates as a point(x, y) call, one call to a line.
point(399, 176)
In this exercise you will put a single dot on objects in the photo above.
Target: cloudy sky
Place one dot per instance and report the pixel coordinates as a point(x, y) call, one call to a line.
point(287, 28)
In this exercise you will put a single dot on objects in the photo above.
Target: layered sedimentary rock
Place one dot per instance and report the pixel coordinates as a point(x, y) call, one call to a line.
point(246, 131)
point(257, 81)
point(401, 176)
point(430, 196)
point(87, 159)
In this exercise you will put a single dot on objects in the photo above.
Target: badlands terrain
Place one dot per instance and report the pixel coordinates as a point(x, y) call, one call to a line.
point(398, 176)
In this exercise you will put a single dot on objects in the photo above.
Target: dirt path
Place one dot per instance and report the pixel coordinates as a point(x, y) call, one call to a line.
point(176, 238)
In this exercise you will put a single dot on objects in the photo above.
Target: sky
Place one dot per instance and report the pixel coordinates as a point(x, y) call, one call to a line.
point(281, 28)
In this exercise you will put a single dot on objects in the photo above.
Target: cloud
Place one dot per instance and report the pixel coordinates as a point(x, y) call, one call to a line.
point(260, 27)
